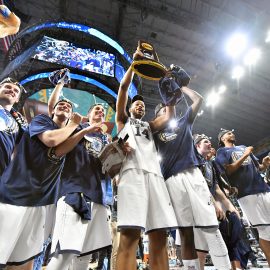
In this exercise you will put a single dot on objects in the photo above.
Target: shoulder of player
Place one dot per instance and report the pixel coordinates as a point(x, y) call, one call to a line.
point(42, 119)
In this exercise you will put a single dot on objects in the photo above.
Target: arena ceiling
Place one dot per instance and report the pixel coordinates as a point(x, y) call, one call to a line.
point(190, 33)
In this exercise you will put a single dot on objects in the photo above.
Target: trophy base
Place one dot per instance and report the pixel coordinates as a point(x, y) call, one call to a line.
point(149, 69)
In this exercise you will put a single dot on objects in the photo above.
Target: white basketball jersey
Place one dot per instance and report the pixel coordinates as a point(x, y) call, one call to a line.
point(144, 156)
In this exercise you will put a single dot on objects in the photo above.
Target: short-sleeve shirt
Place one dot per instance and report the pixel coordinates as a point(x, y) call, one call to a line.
point(247, 178)
point(176, 147)
point(33, 176)
point(9, 136)
point(83, 171)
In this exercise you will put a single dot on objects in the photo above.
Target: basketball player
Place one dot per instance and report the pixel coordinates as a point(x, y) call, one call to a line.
point(243, 172)
point(30, 184)
point(11, 124)
point(210, 173)
point(80, 207)
point(143, 200)
point(187, 187)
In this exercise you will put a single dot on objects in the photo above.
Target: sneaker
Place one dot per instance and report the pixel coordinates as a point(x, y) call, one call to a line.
point(256, 265)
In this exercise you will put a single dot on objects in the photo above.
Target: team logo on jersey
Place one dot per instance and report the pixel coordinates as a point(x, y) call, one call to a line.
point(238, 154)
point(167, 136)
point(93, 145)
point(7, 123)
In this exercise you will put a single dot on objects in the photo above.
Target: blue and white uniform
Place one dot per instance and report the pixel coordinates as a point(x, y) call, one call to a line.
point(143, 201)
point(187, 187)
point(80, 208)
point(10, 135)
point(253, 192)
point(28, 188)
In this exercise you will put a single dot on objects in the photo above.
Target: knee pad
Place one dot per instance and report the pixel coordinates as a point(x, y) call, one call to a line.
point(217, 248)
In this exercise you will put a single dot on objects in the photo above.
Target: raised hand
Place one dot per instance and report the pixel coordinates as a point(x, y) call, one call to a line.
point(266, 161)
point(76, 118)
point(96, 127)
point(137, 55)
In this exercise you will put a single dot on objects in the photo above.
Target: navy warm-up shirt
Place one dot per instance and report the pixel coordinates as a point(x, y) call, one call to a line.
point(247, 178)
point(82, 170)
point(32, 178)
point(176, 147)
point(9, 136)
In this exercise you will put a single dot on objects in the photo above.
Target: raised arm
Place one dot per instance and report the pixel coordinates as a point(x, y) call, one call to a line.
point(122, 98)
point(52, 138)
point(54, 97)
point(162, 121)
point(196, 99)
point(233, 167)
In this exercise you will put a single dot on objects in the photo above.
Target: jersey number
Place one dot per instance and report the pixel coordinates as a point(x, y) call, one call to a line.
point(145, 132)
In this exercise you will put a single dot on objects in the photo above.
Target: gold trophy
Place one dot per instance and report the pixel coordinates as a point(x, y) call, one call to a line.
point(148, 66)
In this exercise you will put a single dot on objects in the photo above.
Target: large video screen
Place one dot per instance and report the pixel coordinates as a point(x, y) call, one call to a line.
point(65, 53)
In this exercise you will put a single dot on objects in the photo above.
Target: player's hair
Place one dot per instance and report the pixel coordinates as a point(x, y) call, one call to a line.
point(94, 105)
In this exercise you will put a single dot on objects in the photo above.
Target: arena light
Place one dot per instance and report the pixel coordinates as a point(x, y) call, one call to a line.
point(200, 113)
point(173, 124)
point(252, 57)
point(238, 72)
point(267, 40)
point(222, 89)
point(236, 44)
point(213, 99)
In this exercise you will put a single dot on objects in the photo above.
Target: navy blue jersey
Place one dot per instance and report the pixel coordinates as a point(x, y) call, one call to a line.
point(210, 176)
point(247, 178)
point(9, 136)
point(32, 177)
point(176, 147)
point(82, 170)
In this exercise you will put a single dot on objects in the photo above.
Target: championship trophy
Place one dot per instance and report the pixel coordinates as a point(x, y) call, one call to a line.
point(148, 66)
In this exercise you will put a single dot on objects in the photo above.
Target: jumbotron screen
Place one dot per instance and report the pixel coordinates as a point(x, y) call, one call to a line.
point(66, 53)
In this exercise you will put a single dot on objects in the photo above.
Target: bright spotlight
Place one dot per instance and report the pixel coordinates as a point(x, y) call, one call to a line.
point(238, 72)
point(252, 57)
point(236, 45)
point(267, 40)
point(200, 113)
point(173, 123)
point(222, 89)
point(213, 99)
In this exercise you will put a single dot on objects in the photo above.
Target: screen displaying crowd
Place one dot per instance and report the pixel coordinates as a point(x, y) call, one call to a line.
point(65, 53)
